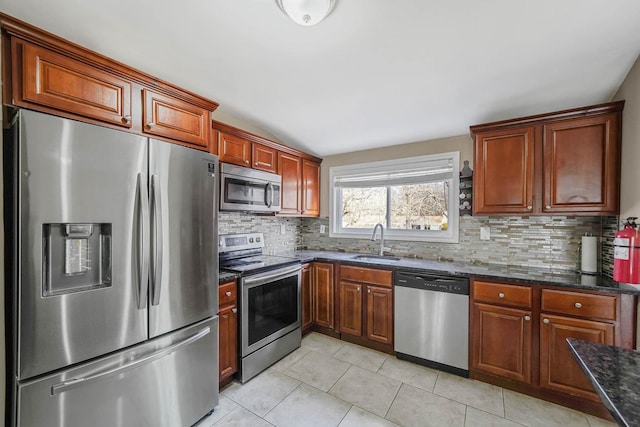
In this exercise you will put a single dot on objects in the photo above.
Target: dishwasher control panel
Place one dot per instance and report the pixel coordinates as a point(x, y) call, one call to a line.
point(432, 282)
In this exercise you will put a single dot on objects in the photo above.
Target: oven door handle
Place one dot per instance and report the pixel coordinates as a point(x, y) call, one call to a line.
point(270, 276)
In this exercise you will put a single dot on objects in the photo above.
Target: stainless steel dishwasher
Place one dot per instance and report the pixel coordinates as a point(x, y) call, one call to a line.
point(431, 324)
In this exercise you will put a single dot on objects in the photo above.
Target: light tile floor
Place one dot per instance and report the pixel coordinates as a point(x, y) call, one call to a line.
point(329, 383)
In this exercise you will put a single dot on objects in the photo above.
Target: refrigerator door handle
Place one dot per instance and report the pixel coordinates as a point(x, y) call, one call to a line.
point(142, 241)
point(76, 382)
point(156, 273)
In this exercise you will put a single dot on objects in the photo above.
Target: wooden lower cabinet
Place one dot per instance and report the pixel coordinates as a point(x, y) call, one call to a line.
point(518, 338)
point(228, 331)
point(501, 341)
point(380, 314)
point(307, 297)
point(323, 295)
point(366, 305)
point(559, 371)
point(228, 342)
point(350, 298)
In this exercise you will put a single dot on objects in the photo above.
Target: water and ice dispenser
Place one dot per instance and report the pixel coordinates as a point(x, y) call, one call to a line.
point(76, 257)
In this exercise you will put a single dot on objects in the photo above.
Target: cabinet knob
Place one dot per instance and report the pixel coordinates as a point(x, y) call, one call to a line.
point(527, 318)
point(358, 288)
point(126, 119)
point(545, 320)
point(548, 207)
point(501, 295)
point(228, 293)
point(577, 305)
point(529, 207)
point(246, 162)
point(256, 164)
point(234, 310)
point(368, 291)
point(151, 125)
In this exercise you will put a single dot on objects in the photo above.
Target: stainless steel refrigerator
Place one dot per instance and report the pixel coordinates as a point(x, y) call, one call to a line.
point(112, 277)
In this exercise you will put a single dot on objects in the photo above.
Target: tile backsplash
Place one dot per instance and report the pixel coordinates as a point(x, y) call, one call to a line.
point(526, 241)
point(276, 238)
point(533, 241)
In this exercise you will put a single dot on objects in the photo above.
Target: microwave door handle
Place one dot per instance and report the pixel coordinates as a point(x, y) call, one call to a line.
point(269, 191)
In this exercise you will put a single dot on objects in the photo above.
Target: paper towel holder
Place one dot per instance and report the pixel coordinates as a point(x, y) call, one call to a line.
point(590, 259)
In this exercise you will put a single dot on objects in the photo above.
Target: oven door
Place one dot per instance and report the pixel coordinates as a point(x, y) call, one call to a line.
point(270, 307)
point(251, 190)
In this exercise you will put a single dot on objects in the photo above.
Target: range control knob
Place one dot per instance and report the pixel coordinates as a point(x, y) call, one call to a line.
point(250, 239)
point(258, 239)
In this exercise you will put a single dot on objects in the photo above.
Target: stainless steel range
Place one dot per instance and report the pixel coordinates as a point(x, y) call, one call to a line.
point(269, 301)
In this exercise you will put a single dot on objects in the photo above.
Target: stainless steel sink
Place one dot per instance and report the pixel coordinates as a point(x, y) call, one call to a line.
point(375, 258)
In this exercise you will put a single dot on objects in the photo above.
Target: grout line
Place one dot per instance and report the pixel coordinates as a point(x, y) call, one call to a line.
point(393, 400)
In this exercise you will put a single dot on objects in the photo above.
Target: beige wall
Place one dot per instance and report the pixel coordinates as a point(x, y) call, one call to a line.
point(630, 189)
point(462, 143)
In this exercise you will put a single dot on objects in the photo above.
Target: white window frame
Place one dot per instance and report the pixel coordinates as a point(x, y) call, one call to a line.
point(450, 235)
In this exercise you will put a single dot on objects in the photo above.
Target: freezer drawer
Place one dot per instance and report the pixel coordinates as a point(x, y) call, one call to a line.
point(170, 381)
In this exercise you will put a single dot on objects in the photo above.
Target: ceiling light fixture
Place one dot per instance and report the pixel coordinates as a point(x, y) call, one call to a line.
point(306, 12)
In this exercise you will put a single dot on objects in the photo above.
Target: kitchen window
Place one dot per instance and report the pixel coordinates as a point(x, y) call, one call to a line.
point(414, 198)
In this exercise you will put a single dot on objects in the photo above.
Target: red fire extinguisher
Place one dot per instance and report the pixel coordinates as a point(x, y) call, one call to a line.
point(626, 253)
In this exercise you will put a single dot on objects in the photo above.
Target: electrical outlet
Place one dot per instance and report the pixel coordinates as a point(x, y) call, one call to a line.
point(485, 233)
point(323, 229)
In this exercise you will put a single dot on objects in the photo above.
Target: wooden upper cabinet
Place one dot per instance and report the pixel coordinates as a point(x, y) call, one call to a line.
point(173, 118)
point(44, 72)
point(310, 188)
point(581, 165)
point(567, 162)
point(264, 158)
point(56, 81)
point(233, 149)
point(290, 169)
point(504, 164)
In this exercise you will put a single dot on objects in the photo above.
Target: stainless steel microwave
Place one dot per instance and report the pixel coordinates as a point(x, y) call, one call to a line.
point(249, 190)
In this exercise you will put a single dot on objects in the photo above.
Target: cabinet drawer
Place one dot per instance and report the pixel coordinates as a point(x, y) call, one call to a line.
point(227, 293)
point(579, 304)
point(367, 275)
point(176, 119)
point(498, 293)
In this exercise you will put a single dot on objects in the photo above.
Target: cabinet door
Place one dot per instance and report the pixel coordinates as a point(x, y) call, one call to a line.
point(581, 159)
point(176, 119)
point(228, 342)
point(558, 369)
point(350, 302)
point(501, 341)
point(380, 314)
point(264, 158)
point(233, 149)
point(55, 81)
point(290, 168)
point(323, 294)
point(504, 171)
point(307, 297)
point(310, 188)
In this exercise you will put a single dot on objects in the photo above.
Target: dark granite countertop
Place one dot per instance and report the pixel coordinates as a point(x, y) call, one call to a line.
point(226, 276)
point(615, 375)
point(544, 276)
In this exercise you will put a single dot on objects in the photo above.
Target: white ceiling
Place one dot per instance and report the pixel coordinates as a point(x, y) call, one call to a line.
point(375, 72)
